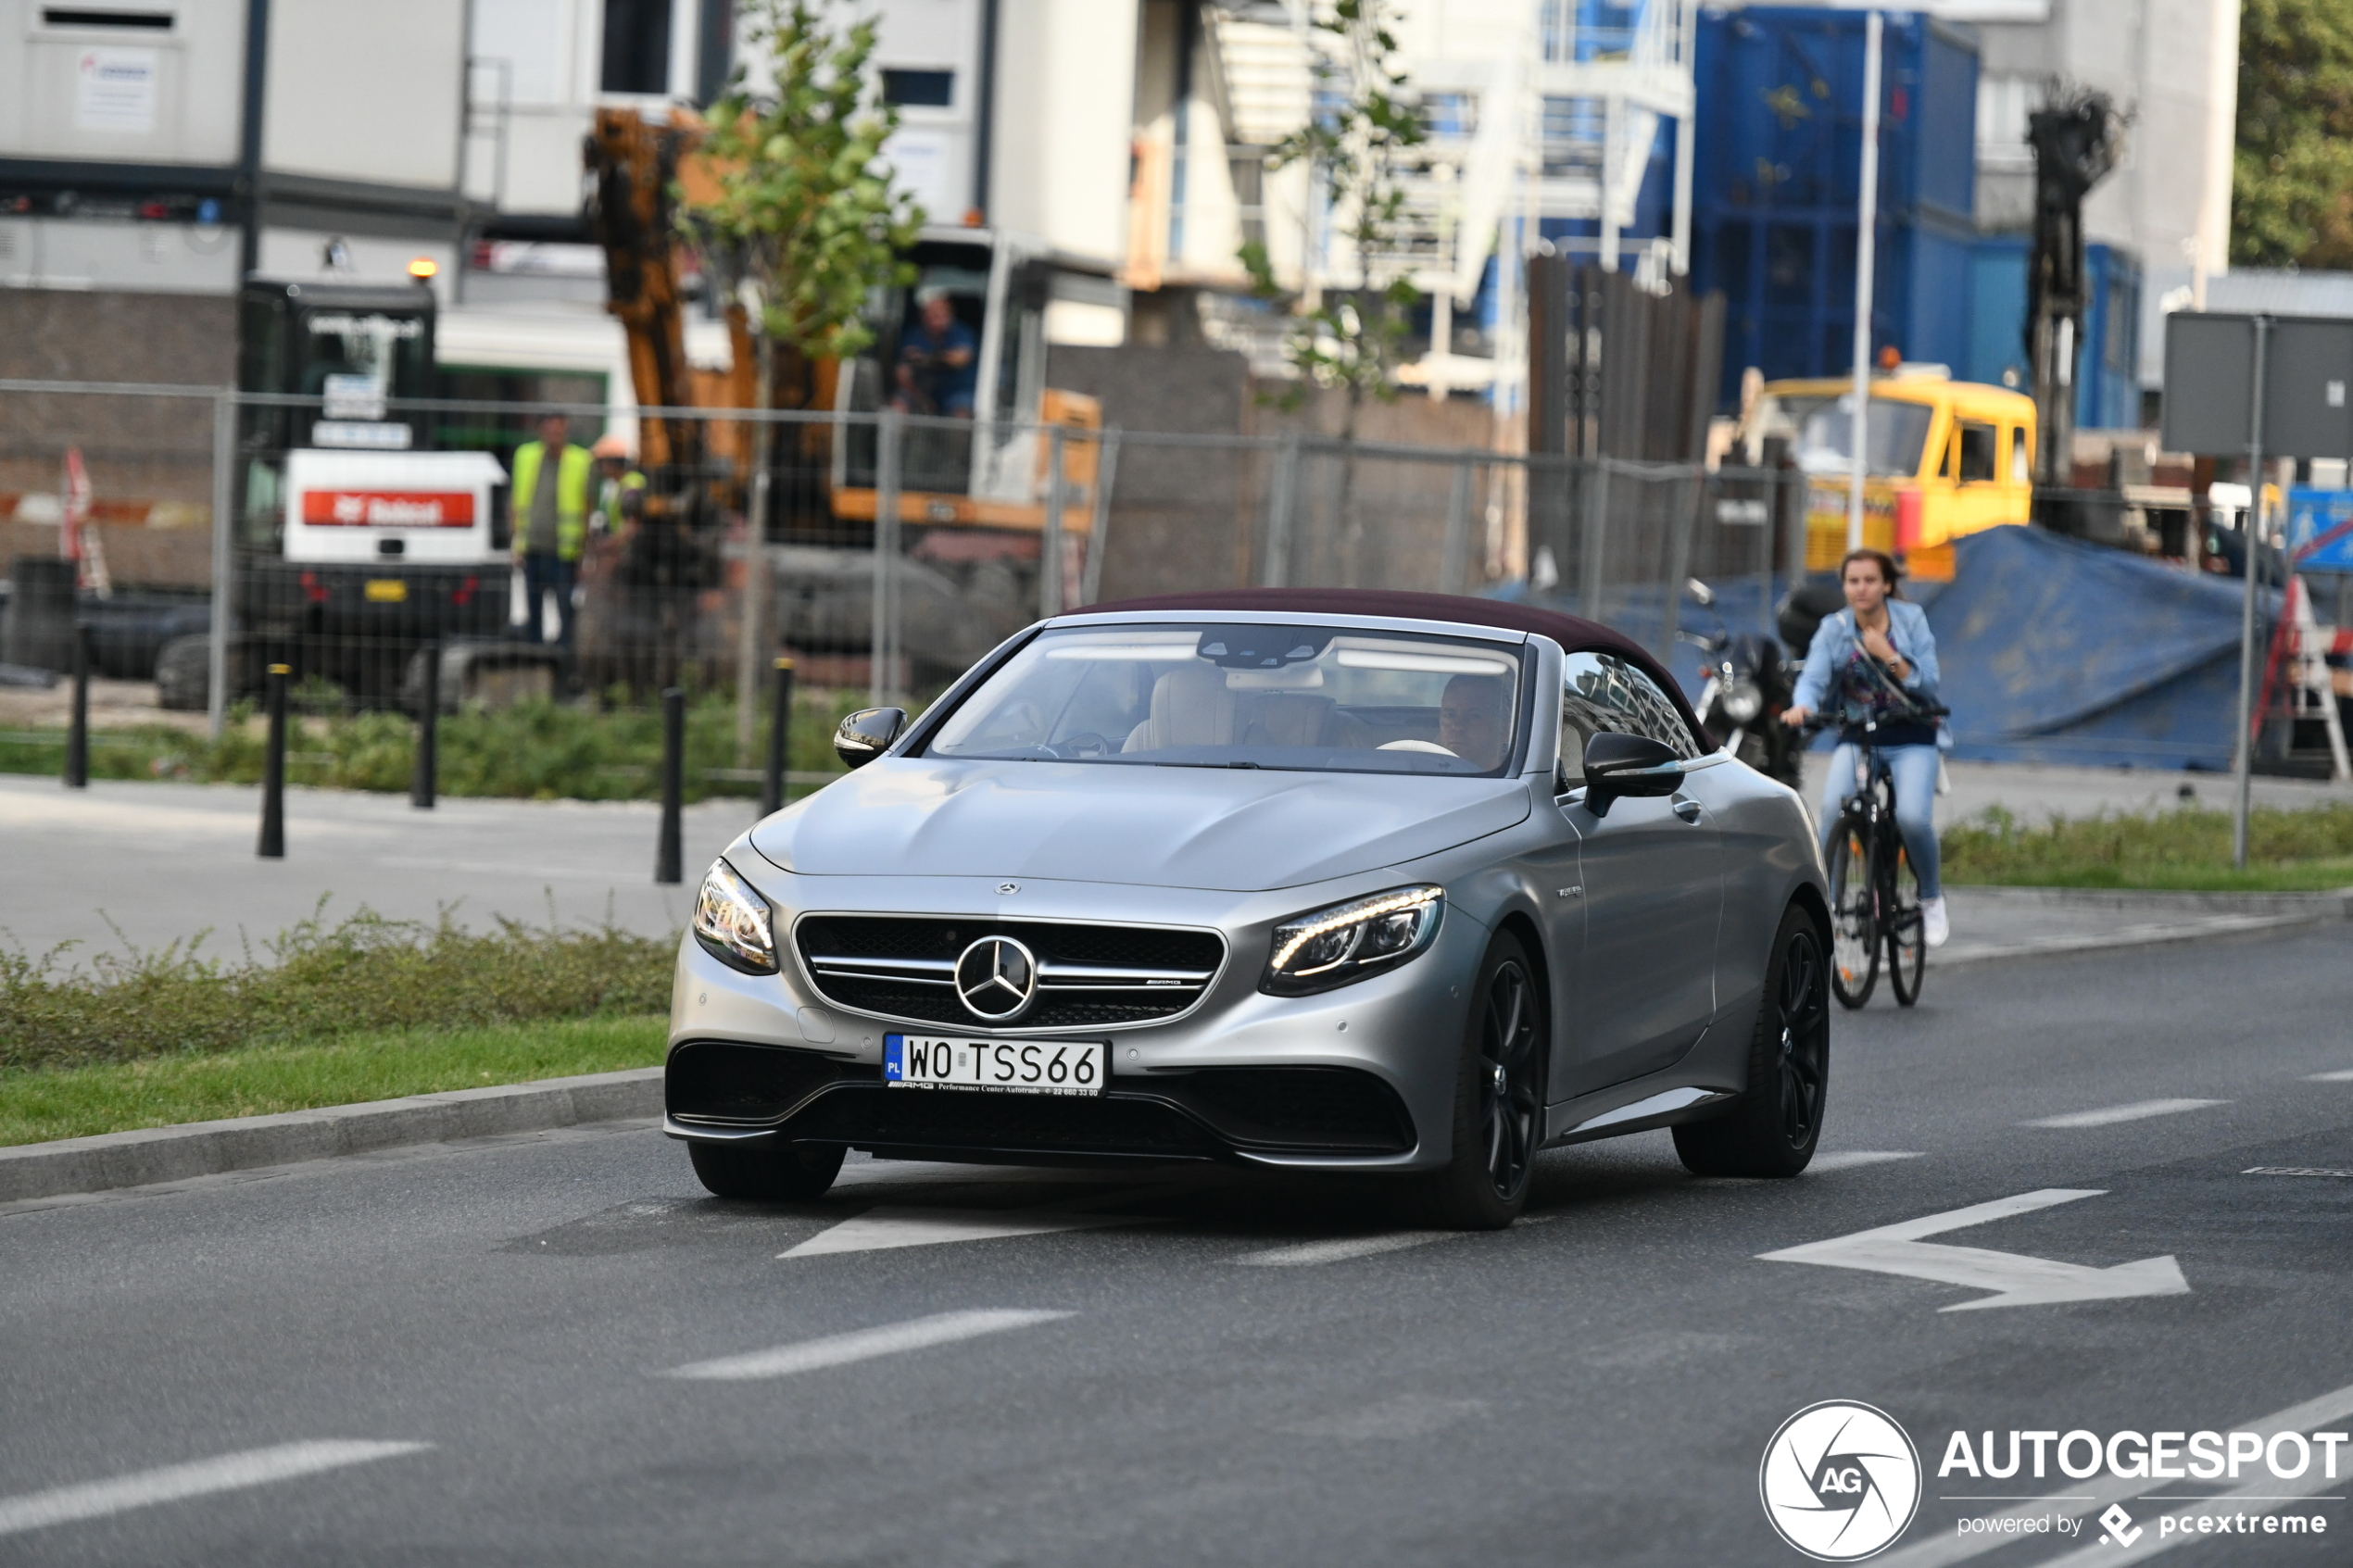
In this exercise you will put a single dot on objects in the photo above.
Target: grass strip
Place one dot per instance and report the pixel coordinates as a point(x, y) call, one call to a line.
point(2302, 850)
point(163, 1091)
point(316, 983)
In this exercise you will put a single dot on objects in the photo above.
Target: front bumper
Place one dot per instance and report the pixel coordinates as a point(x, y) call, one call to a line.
point(1359, 1078)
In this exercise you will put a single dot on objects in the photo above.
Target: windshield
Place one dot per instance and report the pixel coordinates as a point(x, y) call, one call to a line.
point(1322, 698)
point(1896, 433)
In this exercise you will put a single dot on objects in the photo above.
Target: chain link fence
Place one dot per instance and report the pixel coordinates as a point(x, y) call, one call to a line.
point(384, 558)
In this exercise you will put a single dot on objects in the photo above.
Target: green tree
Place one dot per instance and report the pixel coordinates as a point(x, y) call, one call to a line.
point(806, 222)
point(1364, 123)
point(2292, 176)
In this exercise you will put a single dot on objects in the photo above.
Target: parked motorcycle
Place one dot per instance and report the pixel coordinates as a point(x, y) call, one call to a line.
point(1748, 688)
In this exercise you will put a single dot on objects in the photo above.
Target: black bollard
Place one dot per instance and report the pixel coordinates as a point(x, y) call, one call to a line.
point(669, 855)
point(427, 780)
point(273, 769)
point(771, 783)
point(78, 730)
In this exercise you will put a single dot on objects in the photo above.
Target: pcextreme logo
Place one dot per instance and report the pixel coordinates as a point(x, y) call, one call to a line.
point(1840, 1481)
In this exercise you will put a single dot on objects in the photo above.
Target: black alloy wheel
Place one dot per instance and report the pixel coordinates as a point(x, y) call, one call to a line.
point(1499, 1099)
point(1772, 1128)
point(1854, 923)
point(1906, 934)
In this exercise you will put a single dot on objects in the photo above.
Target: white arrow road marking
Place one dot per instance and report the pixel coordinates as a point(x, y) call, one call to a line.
point(879, 1228)
point(1847, 1158)
point(2109, 1115)
point(862, 1345)
point(2085, 1499)
point(228, 1473)
point(2020, 1281)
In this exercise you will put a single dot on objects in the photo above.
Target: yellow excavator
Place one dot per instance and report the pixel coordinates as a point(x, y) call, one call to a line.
point(990, 476)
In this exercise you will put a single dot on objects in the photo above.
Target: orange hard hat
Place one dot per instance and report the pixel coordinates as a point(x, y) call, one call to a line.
point(610, 446)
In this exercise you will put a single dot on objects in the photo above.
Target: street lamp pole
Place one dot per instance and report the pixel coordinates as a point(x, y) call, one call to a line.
point(2253, 535)
point(1866, 236)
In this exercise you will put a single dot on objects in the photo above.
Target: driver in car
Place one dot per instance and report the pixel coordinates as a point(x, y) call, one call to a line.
point(1472, 722)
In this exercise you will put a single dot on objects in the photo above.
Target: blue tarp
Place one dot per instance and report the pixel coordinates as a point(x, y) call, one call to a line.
point(2059, 651)
point(2052, 651)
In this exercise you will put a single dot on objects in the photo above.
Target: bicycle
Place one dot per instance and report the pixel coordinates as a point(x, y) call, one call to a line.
point(1875, 895)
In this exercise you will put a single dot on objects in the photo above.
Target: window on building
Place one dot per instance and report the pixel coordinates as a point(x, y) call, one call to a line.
point(637, 56)
point(919, 89)
point(1451, 114)
point(1979, 453)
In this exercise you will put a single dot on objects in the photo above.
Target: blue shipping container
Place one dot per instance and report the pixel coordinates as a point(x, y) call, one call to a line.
point(1777, 171)
point(2107, 386)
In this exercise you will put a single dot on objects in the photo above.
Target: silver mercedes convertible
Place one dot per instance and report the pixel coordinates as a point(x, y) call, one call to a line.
point(1314, 880)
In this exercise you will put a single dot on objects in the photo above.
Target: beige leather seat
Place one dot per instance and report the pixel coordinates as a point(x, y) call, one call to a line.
point(1190, 707)
point(1301, 718)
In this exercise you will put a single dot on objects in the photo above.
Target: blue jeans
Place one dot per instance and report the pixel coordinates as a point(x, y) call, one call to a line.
point(543, 575)
point(1914, 770)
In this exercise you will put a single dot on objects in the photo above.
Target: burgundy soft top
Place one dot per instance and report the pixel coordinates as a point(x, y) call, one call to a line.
point(1574, 634)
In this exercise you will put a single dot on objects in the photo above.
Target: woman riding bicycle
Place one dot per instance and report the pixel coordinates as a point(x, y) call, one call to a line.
point(1876, 661)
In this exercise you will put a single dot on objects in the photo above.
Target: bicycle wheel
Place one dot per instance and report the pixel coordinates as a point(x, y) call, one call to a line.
point(1855, 933)
point(1906, 937)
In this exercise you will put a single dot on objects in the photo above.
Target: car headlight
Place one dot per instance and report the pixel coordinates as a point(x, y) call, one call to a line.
point(732, 921)
point(1353, 941)
point(1744, 702)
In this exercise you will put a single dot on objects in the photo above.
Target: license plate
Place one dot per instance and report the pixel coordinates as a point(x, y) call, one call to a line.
point(1010, 1067)
point(386, 591)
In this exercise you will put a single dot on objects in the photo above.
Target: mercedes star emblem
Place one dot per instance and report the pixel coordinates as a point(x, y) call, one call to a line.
point(997, 977)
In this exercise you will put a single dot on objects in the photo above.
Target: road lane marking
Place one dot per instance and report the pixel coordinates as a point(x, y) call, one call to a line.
point(2293, 1170)
point(2016, 1279)
point(2342, 1075)
point(2109, 1115)
point(227, 1473)
point(1940, 1551)
point(1848, 1158)
point(879, 1229)
point(863, 1344)
point(1309, 1253)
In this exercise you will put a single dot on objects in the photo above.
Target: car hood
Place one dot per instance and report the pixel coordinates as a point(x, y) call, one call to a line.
point(1231, 829)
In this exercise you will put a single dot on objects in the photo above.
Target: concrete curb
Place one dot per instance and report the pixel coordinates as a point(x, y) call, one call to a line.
point(2134, 936)
point(2334, 904)
point(204, 1148)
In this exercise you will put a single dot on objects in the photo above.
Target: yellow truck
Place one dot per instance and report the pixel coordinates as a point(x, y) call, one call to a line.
point(1944, 458)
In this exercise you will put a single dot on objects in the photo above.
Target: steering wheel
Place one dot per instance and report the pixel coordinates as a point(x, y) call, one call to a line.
point(1087, 745)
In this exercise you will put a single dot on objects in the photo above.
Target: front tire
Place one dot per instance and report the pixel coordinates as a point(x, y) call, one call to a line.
point(1499, 1096)
point(1854, 923)
point(1773, 1127)
point(761, 1174)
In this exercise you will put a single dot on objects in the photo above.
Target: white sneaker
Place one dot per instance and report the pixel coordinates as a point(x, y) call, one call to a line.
point(1938, 929)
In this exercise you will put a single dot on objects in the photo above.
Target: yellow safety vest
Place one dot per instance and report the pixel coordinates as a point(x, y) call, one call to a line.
point(572, 473)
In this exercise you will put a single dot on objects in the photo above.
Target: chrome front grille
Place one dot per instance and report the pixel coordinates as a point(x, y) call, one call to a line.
point(1088, 976)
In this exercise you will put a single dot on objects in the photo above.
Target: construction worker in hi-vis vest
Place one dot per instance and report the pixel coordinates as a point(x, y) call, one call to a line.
point(551, 521)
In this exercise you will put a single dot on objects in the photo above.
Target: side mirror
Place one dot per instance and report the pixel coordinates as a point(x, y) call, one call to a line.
point(1620, 766)
point(867, 733)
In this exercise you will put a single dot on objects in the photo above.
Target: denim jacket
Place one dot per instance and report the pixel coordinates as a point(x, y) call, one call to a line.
point(1835, 641)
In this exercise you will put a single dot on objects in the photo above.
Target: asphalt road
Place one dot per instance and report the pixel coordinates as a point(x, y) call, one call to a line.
point(473, 1354)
